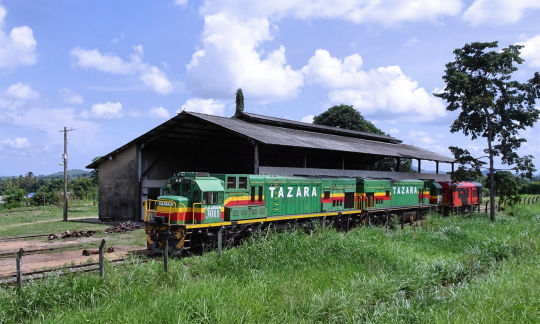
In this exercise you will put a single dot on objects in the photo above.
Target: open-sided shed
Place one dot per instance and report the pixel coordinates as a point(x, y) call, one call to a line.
point(246, 143)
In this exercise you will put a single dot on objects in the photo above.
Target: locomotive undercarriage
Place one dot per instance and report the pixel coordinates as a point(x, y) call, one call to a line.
point(182, 240)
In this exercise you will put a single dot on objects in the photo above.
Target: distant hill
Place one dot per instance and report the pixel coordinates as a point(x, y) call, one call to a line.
point(75, 173)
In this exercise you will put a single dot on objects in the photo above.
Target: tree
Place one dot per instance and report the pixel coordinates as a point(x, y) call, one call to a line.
point(507, 187)
point(239, 101)
point(491, 105)
point(346, 117)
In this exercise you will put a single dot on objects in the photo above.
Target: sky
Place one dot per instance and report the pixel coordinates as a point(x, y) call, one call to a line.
point(113, 70)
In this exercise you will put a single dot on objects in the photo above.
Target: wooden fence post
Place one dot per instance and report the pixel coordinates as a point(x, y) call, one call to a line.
point(18, 261)
point(219, 242)
point(101, 259)
point(166, 255)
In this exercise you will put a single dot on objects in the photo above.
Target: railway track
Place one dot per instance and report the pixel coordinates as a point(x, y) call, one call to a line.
point(16, 238)
point(4, 255)
point(87, 267)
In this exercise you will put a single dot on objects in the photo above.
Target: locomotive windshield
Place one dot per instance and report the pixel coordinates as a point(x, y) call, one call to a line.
point(211, 198)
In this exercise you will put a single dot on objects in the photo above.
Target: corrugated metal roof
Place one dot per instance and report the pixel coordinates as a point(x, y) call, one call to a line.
point(273, 135)
point(293, 137)
point(280, 122)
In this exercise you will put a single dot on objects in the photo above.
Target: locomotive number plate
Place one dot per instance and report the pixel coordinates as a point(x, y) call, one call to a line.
point(212, 212)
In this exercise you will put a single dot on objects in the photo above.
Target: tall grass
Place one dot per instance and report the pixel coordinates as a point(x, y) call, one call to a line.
point(448, 270)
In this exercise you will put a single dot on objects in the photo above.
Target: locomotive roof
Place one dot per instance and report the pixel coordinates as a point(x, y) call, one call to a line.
point(282, 132)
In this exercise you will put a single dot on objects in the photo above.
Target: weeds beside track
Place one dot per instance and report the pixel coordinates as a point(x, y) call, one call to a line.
point(451, 269)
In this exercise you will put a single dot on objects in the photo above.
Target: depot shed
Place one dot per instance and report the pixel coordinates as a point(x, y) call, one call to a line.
point(245, 143)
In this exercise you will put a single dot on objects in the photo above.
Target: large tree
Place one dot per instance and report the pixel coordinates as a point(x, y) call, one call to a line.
point(491, 105)
point(345, 116)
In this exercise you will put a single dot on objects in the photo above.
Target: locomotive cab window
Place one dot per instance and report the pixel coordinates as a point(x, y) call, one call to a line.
point(231, 182)
point(242, 183)
point(186, 189)
point(210, 198)
point(252, 194)
point(327, 195)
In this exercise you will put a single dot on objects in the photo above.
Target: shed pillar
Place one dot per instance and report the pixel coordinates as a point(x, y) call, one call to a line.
point(305, 159)
point(255, 158)
point(139, 212)
point(419, 166)
point(452, 168)
point(436, 167)
point(398, 163)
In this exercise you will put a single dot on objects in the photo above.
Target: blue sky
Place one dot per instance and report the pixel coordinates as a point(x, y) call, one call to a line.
point(112, 70)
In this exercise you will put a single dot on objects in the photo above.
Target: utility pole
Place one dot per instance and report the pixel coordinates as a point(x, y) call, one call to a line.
point(64, 163)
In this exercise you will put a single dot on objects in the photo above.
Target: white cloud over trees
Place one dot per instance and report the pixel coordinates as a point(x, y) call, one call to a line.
point(380, 91)
point(21, 91)
point(230, 58)
point(18, 47)
point(531, 51)
point(499, 12)
point(148, 74)
point(107, 110)
point(205, 106)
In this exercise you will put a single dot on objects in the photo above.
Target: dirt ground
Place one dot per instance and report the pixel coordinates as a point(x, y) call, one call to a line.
point(27, 245)
point(34, 262)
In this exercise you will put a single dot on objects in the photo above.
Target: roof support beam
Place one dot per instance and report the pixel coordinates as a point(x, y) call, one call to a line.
point(398, 163)
point(419, 165)
point(255, 158)
point(436, 167)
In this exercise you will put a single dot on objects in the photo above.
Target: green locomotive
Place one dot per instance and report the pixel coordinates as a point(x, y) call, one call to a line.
point(195, 208)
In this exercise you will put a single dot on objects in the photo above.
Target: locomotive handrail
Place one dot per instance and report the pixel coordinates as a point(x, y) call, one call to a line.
point(149, 203)
point(193, 211)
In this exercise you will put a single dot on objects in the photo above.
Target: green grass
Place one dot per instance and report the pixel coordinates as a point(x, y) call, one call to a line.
point(48, 219)
point(24, 220)
point(451, 269)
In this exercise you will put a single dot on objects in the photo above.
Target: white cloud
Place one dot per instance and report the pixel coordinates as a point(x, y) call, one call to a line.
point(205, 106)
point(108, 110)
point(393, 131)
point(498, 11)
point(531, 51)
point(71, 97)
point(231, 55)
point(180, 3)
point(411, 42)
point(381, 91)
point(150, 75)
point(385, 12)
point(307, 119)
point(15, 143)
point(18, 47)
point(159, 112)
point(230, 59)
point(21, 91)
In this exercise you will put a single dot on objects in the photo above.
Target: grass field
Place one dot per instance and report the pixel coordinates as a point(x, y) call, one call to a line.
point(23, 221)
point(450, 269)
point(48, 219)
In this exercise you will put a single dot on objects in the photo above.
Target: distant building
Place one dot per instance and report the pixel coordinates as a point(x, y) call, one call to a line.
point(245, 143)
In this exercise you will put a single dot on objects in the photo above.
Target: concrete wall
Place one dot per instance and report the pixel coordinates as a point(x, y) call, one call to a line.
point(118, 189)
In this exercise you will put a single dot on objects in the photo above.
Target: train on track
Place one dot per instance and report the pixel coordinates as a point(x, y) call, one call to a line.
point(198, 209)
